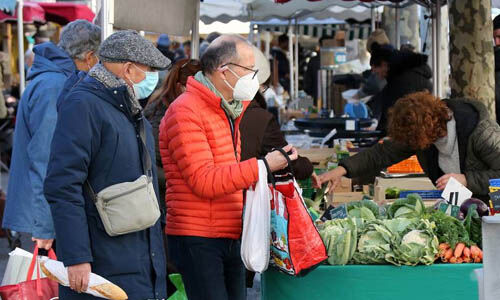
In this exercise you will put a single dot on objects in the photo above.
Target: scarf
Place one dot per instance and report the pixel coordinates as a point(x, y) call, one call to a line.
point(233, 109)
point(101, 74)
point(449, 159)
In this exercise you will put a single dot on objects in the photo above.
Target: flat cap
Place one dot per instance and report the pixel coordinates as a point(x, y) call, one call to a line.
point(128, 45)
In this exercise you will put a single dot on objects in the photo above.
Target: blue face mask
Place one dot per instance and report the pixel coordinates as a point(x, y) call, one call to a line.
point(146, 87)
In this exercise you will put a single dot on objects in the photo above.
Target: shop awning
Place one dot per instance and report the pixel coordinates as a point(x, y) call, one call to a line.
point(264, 10)
point(64, 12)
point(32, 12)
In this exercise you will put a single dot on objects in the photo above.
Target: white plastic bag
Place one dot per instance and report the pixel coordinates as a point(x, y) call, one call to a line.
point(17, 267)
point(255, 241)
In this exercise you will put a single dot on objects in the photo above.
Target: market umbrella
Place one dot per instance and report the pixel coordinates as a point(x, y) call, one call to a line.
point(32, 12)
point(64, 12)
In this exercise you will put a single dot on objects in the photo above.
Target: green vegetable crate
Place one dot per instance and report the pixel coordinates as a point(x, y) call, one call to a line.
point(374, 282)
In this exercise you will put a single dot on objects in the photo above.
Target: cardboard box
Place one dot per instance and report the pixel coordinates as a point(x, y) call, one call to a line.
point(339, 198)
point(417, 183)
point(318, 157)
point(345, 186)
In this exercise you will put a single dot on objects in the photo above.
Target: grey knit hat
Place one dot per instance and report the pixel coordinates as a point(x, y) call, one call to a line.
point(128, 45)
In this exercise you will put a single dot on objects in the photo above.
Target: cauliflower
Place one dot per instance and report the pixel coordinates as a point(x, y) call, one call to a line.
point(417, 237)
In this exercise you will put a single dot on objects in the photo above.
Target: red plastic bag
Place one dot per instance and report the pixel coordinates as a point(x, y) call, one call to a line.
point(38, 289)
point(295, 242)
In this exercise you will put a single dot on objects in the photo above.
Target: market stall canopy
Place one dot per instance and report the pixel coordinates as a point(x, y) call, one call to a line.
point(162, 16)
point(316, 28)
point(263, 10)
point(32, 12)
point(64, 12)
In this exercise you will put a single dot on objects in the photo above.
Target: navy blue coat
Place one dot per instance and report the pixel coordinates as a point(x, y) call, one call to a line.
point(95, 139)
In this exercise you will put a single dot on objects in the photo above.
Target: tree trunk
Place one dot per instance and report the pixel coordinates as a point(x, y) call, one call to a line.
point(409, 27)
point(471, 51)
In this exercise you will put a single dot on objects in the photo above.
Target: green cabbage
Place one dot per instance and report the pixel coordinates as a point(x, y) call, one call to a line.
point(410, 207)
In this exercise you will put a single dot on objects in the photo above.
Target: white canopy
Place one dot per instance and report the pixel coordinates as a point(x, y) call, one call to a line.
point(263, 10)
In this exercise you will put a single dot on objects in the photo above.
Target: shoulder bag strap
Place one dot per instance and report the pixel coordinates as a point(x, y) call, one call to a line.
point(145, 157)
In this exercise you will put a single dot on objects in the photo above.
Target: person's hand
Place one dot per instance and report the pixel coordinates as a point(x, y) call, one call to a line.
point(443, 180)
point(316, 181)
point(43, 243)
point(277, 161)
point(78, 276)
point(334, 176)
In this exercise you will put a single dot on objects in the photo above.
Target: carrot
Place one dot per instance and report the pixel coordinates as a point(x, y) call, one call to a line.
point(480, 254)
point(477, 260)
point(467, 259)
point(467, 252)
point(460, 260)
point(448, 254)
point(474, 250)
point(444, 246)
point(459, 249)
point(453, 260)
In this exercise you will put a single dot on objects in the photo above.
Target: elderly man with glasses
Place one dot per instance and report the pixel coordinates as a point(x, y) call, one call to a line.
point(200, 149)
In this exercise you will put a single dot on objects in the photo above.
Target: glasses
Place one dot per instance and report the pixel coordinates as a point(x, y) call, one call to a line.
point(243, 67)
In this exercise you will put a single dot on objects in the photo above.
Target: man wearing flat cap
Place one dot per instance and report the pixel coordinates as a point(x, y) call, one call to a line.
point(101, 141)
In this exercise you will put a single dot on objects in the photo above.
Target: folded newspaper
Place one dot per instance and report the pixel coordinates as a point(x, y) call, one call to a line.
point(98, 286)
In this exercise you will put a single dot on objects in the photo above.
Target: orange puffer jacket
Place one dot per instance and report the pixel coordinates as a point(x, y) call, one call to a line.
point(205, 180)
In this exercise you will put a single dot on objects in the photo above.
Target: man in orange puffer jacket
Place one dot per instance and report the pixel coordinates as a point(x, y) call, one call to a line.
point(200, 149)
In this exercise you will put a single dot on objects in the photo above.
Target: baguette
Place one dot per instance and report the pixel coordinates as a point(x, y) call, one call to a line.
point(107, 290)
point(49, 275)
point(110, 291)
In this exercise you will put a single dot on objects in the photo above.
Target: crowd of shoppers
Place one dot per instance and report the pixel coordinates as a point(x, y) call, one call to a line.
point(81, 129)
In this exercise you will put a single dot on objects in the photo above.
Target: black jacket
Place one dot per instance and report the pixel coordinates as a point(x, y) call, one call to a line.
point(260, 133)
point(283, 68)
point(311, 78)
point(478, 145)
point(408, 73)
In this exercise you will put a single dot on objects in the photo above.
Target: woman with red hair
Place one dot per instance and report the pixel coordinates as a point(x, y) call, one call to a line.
point(451, 138)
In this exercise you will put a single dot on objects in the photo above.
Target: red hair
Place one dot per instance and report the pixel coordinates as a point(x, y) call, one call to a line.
point(170, 89)
point(418, 120)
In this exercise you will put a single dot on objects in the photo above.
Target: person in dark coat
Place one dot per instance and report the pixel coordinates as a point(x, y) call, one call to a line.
point(171, 88)
point(163, 44)
point(405, 73)
point(27, 209)
point(311, 78)
point(280, 54)
point(260, 131)
point(451, 138)
point(95, 140)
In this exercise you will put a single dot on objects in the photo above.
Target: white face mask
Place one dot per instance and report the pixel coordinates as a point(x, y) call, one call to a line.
point(245, 88)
